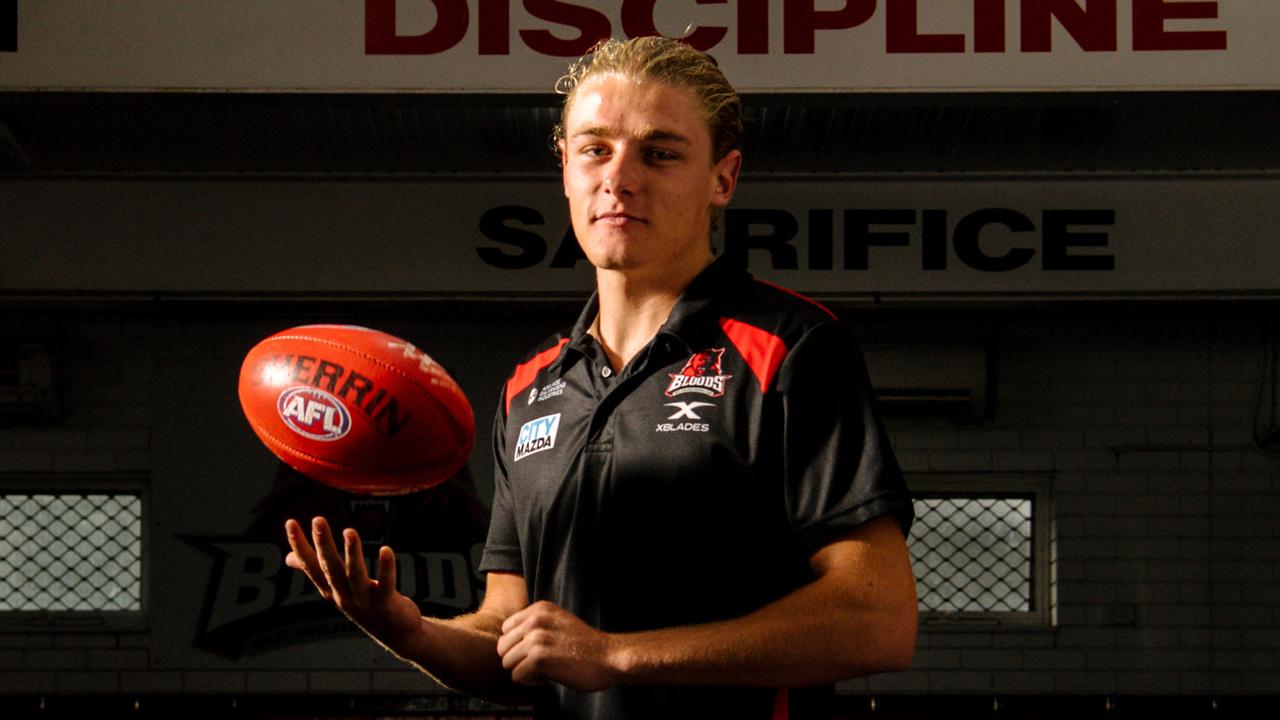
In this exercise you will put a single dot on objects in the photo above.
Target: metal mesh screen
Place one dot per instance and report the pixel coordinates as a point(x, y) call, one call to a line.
point(70, 552)
point(973, 554)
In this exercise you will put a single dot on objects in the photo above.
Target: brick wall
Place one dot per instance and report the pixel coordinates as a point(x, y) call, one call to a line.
point(1164, 516)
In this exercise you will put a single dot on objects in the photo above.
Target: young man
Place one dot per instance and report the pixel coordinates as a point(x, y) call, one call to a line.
point(696, 512)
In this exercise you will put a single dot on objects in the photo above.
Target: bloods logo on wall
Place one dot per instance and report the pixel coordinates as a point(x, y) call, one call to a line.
point(255, 604)
point(701, 374)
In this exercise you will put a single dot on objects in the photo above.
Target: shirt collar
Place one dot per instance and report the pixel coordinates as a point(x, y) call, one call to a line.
point(579, 339)
point(693, 320)
point(695, 317)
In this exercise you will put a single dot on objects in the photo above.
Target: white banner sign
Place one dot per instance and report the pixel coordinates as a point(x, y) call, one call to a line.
point(522, 45)
point(928, 238)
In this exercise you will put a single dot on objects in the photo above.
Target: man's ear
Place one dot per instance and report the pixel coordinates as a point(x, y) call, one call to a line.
point(563, 150)
point(725, 172)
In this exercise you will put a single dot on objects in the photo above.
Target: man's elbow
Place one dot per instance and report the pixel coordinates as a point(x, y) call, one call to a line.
point(893, 644)
point(900, 640)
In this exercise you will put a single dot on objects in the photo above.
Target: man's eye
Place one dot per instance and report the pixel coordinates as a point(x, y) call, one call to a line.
point(593, 150)
point(662, 155)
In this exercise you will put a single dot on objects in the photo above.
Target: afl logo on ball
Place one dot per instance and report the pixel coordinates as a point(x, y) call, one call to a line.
point(314, 413)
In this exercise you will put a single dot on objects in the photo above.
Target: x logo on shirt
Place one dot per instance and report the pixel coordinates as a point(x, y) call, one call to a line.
point(686, 409)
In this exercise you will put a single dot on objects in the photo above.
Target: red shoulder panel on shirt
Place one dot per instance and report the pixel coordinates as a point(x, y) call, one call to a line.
point(525, 372)
point(762, 350)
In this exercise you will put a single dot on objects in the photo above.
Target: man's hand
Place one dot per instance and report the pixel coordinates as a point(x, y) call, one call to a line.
point(374, 605)
point(546, 643)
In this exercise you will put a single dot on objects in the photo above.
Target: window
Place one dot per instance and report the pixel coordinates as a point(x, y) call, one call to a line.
point(979, 547)
point(71, 557)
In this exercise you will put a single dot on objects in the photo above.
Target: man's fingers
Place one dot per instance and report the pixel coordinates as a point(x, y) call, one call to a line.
point(386, 571)
point(528, 659)
point(524, 641)
point(303, 556)
point(516, 659)
point(510, 655)
point(357, 572)
point(514, 629)
point(546, 643)
point(335, 570)
point(299, 544)
point(507, 640)
point(516, 618)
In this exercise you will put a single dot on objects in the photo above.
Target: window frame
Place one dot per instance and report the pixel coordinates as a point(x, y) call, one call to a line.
point(85, 621)
point(1038, 489)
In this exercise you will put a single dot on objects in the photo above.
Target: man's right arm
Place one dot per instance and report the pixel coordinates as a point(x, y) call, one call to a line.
point(460, 653)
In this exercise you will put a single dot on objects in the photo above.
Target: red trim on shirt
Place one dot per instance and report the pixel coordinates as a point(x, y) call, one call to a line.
point(525, 372)
point(762, 350)
point(795, 294)
point(780, 709)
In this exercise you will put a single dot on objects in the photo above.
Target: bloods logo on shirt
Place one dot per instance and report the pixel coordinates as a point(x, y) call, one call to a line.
point(701, 374)
point(537, 435)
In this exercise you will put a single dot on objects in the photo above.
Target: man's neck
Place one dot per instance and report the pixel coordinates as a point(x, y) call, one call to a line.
point(632, 309)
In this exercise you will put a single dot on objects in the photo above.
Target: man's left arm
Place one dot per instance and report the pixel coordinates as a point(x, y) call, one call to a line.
point(857, 617)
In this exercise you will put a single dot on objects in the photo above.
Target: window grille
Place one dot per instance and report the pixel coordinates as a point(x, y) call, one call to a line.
point(70, 552)
point(980, 549)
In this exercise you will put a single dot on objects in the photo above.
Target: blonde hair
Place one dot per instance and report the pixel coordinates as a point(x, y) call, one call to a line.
point(668, 61)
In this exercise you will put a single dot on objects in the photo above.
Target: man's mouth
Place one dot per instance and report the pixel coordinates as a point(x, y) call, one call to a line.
point(617, 218)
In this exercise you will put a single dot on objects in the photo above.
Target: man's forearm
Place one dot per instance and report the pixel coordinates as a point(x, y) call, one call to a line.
point(857, 617)
point(813, 636)
point(460, 653)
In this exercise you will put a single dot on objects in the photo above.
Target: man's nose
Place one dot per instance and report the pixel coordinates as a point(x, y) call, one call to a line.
point(621, 175)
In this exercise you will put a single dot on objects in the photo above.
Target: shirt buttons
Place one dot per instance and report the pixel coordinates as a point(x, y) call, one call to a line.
point(606, 372)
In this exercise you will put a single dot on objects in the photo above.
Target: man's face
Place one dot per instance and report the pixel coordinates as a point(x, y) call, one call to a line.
point(639, 176)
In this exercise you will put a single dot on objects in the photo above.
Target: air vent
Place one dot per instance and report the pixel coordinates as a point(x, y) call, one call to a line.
point(929, 379)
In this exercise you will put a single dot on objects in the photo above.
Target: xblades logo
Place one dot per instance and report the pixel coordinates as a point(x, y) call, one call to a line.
point(685, 410)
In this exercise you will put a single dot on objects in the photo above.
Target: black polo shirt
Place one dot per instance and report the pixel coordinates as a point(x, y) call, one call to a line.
point(694, 484)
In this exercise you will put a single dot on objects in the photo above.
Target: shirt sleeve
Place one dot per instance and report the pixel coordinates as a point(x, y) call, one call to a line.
point(839, 469)
point(502, 547)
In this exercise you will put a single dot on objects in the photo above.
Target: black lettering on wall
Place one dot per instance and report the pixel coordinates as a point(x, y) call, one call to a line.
point(969, 230)
point(858, 236)
point(821, 238)
point(569, 252)
point(1059, 239)
point(933, 240)
point(738, 238)
point(532, 248)
point(8, 25)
